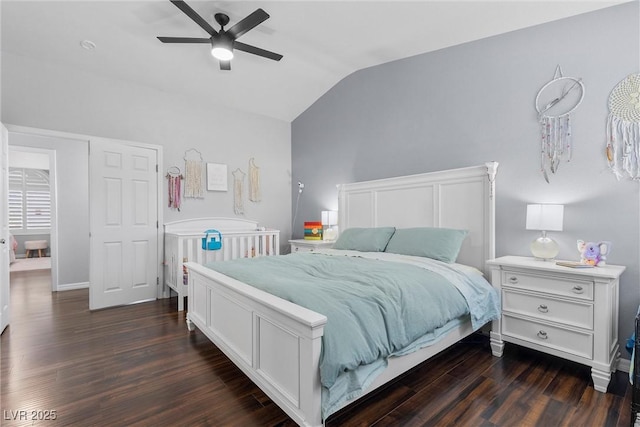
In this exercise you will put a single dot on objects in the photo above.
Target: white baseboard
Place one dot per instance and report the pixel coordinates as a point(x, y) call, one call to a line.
point(624, 365)
point(72, 286)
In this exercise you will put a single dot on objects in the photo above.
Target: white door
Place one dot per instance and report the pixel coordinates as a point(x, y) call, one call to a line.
point(124, 264)
point(4, 230)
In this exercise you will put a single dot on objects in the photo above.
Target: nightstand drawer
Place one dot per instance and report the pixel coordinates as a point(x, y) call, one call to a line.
point(573, 313)
point(302, 245)
point(556, 285)
point(567, 341)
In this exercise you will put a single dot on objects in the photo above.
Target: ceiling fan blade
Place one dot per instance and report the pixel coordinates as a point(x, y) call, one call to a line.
point(183, 40)
point(225, 65)
point(251, 21)
point(194, 16)
point(256, 51)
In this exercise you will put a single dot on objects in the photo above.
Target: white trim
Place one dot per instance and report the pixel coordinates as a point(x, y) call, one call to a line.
point(73, 286)
point(624, 365)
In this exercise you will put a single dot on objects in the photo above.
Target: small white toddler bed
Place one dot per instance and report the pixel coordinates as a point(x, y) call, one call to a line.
point(236, 238)
point(370, 330)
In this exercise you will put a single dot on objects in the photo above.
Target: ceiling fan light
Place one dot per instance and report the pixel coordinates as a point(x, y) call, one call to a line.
point(222, 53)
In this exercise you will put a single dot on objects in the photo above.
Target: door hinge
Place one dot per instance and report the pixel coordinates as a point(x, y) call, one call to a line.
point(157, 224)
point(157, 281)
point(156, 168)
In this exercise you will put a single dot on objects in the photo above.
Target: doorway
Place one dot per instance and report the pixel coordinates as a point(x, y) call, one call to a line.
point(32, 220)
point(73, 256)
point(69, 233)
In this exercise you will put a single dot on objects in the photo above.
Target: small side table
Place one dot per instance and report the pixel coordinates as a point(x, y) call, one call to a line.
point(302, 245)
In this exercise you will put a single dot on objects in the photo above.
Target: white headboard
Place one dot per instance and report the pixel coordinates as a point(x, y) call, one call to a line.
point(456, 198)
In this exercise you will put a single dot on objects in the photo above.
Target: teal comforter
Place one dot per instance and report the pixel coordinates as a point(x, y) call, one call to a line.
point(375, 307)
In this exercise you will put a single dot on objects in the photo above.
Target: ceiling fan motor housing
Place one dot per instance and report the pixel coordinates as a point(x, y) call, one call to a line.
point(222, 41)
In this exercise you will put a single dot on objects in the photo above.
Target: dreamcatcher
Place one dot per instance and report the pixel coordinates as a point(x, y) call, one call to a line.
point(174, 176)
point(623, 128)
point(555, 102)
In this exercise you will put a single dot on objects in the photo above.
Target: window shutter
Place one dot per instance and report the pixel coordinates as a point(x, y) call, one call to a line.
point(29, 199)
point(38, 200)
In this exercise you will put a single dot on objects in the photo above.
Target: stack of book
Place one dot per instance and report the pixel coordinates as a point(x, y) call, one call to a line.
point(313, 230)
point(574, 264)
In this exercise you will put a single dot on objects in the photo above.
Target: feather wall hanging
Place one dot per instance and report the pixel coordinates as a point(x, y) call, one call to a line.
point(194, 171)
point(555, 102)
point(238, 191)
point(174, 175)
point(623, 128)
point(254, 181)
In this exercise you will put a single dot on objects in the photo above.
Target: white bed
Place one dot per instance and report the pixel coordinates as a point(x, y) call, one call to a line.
point(277, 343)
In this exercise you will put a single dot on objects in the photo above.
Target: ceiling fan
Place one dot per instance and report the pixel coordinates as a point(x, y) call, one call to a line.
point(223, 42)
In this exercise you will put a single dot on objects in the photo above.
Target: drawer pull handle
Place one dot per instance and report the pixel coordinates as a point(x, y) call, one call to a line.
point(542, 335)
point(578, 289)
point(513, 279)
point(542, 308)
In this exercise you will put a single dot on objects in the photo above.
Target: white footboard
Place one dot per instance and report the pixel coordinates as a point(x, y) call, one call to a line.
point(276, 343)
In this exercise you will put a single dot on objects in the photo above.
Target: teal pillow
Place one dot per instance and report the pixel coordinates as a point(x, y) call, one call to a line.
point(442, 244)
point(364, 239)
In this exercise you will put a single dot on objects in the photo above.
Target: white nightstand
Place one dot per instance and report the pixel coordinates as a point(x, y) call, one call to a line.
point(568, 312)
point(301, 245)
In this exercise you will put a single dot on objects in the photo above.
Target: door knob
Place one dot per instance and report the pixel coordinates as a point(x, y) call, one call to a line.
point(2, 241)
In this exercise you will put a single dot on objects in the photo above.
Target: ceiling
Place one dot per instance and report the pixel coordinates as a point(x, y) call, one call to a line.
point(322, 41)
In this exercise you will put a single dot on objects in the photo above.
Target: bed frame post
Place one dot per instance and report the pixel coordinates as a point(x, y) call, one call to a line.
point(492, 170)
point(311, 388)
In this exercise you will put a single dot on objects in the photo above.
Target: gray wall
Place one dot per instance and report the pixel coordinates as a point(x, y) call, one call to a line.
point(473, 103)
point(72, 203)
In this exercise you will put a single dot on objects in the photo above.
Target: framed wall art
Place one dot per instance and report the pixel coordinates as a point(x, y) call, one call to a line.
point(216, 177)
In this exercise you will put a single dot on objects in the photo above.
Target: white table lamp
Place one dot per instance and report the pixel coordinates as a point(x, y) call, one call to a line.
point(545, 218)
point(329, 219)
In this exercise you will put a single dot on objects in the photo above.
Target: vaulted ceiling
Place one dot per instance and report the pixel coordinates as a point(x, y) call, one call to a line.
point(322, 41)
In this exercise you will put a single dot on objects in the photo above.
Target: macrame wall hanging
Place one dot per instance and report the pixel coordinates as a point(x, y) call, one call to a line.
point(555, 102)
point(254, 181)
point(194, 168)
point(623, 128)
point(238, 183)
point(174, 175)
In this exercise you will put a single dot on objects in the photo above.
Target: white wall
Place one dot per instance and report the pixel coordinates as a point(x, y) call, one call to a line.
point(28, 159)
point(49, 96)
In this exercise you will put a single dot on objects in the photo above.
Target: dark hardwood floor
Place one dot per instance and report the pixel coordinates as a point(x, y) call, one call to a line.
point(139, 366)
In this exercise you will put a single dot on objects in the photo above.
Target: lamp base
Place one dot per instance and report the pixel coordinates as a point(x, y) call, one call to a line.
point(330, 234)
point(544, 248)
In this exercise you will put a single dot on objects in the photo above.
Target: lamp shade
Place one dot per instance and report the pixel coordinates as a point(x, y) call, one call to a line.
point(545, 217)
point(329, 218)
